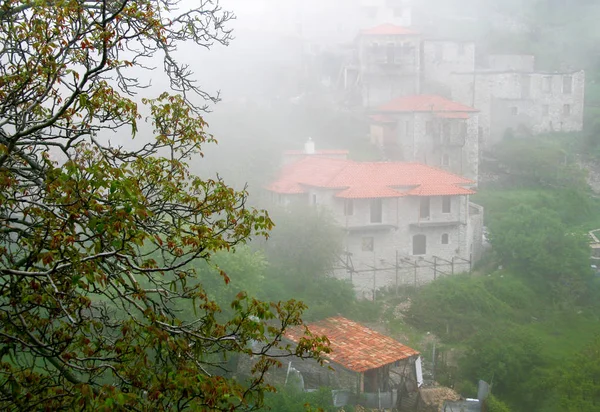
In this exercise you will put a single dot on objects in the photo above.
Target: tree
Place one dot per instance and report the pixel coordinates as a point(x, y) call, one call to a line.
point(97, 243)
point(576, 383)
point(536, 242)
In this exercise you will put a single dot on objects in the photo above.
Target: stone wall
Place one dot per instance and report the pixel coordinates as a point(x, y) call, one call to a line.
point(441, 58)
point(395, 237)
point(537, 102)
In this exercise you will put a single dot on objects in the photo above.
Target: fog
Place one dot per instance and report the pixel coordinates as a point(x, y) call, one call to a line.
point(432, 170)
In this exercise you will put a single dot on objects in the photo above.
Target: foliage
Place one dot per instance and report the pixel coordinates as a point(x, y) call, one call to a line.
point(305, 242)
point(494, 404)
point(97, 243)
point(539, 162)
point(292, 399)
point(576, 382)
point(455, 307)
point(536, 243)
point(506, 356)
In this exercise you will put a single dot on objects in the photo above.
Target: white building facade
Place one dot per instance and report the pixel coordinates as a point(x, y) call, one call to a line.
point(404, 223)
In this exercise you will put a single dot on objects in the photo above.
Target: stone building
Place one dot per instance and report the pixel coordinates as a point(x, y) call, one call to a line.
point(387, 65)
point(429, 129)
point(514, 99)
point(393, 214)
point(441, 58)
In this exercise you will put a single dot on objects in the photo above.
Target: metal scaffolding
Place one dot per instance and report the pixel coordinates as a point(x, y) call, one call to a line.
point(440, 267)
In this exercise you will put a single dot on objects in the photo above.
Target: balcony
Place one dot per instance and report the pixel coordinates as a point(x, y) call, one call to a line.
point(434, 223)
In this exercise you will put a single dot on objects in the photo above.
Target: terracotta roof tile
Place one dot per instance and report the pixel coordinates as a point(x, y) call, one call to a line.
point(438, 190)
point(354, 346)
point(424, 103)
point(368, 179)
point(388, 30)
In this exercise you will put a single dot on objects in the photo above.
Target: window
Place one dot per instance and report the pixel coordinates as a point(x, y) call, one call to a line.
point(419, 244)
point(348, 207)
point(446, 204)
point(525, 86)
point(424, 208)
point(376, 211)
point(428, 128)
point(407, 49)
point(314, 199)
point(567, 110)
point(545, 110)
point(514, 110)
point(391, 53)
point(445, 239)
point(463, 129)
point(445, 160)
point(374, 50)
point(547, 84)
point(567, 84)
point(367, 244)
point(446, 132)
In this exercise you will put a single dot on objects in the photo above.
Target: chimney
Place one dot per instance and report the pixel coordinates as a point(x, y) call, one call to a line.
point(309, 146)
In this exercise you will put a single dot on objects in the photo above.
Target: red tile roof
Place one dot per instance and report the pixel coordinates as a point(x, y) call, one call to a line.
point(424, 103)
point(354, 346)
point(387, 30)
point(368, 180)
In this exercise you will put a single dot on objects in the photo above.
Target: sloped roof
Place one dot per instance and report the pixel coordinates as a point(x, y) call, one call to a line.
point(388, 29)
point(366, 180)
point(424, 103)
point(354, 346)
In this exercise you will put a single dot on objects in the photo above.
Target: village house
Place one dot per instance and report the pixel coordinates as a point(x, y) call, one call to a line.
point(429, 129)
point(514, 99)
point(387, 64)
point(441, 58)
point(416, 217)
point(366, 367)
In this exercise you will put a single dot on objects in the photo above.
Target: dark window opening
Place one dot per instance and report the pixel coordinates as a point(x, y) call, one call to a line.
point(429, 128)
point(567, 109)
point(446, 204)
point(424, 208)
point(348, 207)
point(376, 211)
point(445, 159)
point(391, 53)
point(419, 244)
point(367, 244)
point(463, 129)
point(445, 239)
point(547, 84)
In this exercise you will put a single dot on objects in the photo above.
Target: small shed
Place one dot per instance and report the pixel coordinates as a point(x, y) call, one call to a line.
point(367, 362)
